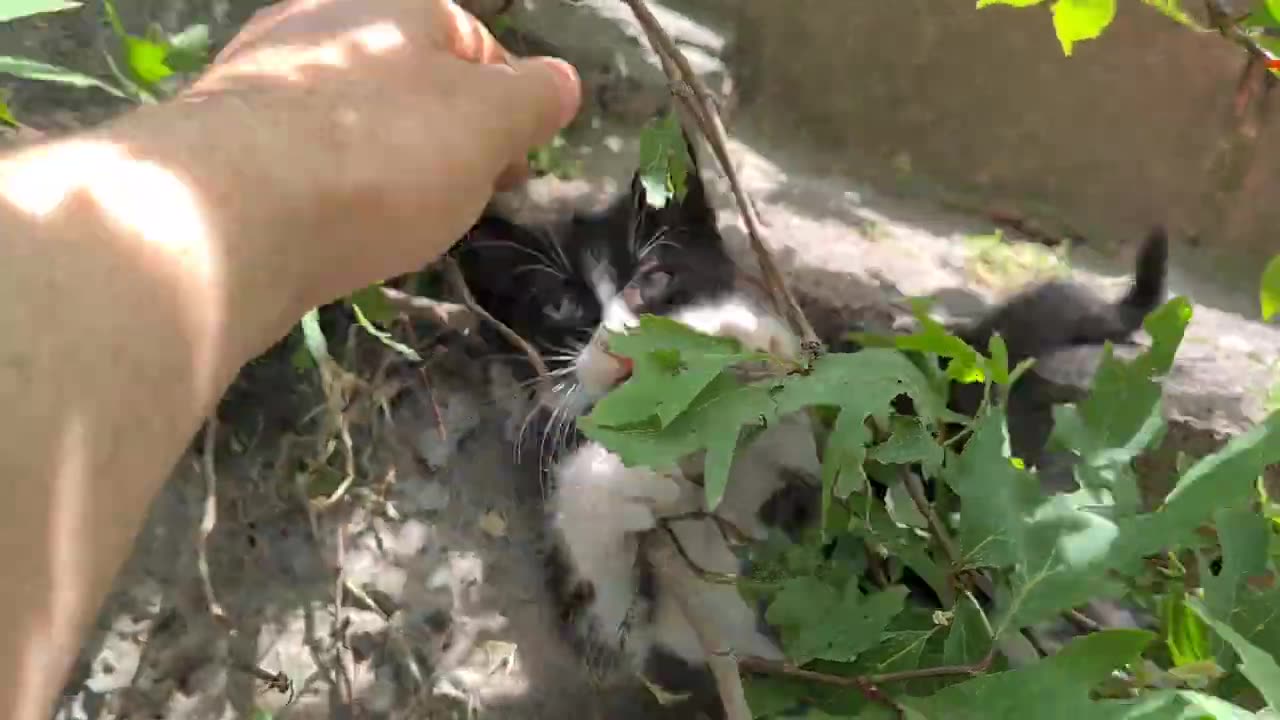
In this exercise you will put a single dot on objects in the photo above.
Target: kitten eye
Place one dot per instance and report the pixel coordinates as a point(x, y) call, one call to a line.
point(655, 287)
point(563, 312)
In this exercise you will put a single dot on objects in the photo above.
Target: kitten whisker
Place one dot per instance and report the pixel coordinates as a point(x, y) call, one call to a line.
point(543, 257)
point(540, 266)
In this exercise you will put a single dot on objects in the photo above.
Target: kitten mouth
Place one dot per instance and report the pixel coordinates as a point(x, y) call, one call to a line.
point(625, 367)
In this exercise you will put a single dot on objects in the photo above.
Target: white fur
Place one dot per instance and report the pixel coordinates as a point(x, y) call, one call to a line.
point(599, 505)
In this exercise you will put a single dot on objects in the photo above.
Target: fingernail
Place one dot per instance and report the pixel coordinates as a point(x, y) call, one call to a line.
point(570, 86)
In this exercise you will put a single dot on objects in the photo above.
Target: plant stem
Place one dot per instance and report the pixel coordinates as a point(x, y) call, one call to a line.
point(690, 88)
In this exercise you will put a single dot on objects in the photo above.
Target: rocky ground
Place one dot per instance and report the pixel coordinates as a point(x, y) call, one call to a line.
point(417, 592)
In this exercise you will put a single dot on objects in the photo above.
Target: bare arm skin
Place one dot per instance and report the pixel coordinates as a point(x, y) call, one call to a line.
point(333, 144)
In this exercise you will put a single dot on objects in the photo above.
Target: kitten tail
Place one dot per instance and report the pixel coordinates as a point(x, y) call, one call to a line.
point(1150, 272)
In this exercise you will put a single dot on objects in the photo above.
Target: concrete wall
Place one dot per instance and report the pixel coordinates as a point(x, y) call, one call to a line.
point(1137, 127)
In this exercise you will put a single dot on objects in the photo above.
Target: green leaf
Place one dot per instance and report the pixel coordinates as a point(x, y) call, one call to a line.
point(969, 639)
point(34, 70)
point(146, 59)
point(1055, 688)
point(14, 9)
point(1077, 20)
point(1245, 536)
point(713, 421)
point(965, 364)
point(909, 442)
point(383, 336)
point(672, 363)
point(138, 92)
point(1256, 665)
point(864, 383)
point(800, 601)
point(313, 336)
point(155, 56)
point(1185, 634)
point(1172, 705)
point(1270, 293)
point(1224, 479)
point(850, 628)
point(6, 115)
point(373, 303)
point(996, 496)
point(872, 523)
point(768, 696)
point(189, 49)
point(1172, 9)
point(1122, 416)
point(664, 160)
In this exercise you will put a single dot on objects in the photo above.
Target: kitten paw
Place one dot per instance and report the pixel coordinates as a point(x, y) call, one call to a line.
point(595, 491)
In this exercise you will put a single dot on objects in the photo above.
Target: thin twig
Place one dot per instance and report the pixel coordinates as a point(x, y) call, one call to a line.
point(1222, 21)
point(705, 575)
point(866, 683)
point(916, 490)
point(451, 316)
point(339, 623)
point(210, 518)
point(453, 274)
point(349, 461)
point(1082, 622)
point(704, 111)
point(676, 579)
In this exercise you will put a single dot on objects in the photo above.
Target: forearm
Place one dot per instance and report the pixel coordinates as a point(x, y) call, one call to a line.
point(139, 267)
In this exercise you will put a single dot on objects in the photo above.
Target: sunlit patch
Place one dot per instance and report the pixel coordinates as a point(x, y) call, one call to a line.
point(151, 204)
point(379, 37)
point(65, 544)
point(289, 62)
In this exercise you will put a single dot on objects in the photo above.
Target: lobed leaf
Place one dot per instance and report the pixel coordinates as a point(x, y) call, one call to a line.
point(1056, 687)
point(664, 160)
point(1077, 20)
point(1257, 665)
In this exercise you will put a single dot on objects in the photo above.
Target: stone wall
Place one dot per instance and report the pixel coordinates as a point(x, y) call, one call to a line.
point(983, 108)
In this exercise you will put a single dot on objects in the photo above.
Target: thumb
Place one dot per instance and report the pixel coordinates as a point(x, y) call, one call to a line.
point(543, 95)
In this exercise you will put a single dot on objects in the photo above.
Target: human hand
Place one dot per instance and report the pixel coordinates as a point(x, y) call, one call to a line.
point(399, 117)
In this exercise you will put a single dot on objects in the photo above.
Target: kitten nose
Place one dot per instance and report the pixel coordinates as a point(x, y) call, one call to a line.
point(625, 367)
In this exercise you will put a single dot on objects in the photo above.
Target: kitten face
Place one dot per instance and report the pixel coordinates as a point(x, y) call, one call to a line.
point(565, 288)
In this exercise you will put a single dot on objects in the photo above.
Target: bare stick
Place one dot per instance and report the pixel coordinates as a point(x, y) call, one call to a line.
point(703, 108)
point(339, 621)
point(210, 518)
point(869, 684)
point(677, 579)
point(916, 490)
point(703, 574)
point(453, 274)
point(450, 316)
point(349, 461)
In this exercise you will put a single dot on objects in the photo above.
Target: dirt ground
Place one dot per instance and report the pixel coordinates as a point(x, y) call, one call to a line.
point(417, 593)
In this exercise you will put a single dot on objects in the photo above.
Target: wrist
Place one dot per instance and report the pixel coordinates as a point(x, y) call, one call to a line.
point(244, 203)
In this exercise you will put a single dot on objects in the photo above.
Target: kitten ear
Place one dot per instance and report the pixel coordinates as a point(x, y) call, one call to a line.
point(695, 209)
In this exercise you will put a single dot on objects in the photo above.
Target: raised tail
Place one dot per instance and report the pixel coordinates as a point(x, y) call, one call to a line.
point(1149, 278)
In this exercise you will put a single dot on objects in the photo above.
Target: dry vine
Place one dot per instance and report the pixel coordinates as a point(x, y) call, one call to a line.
point(210, 518)
point(668, 559)
point(699, 103)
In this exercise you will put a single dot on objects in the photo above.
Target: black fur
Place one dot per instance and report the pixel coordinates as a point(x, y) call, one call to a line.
point(537, 281)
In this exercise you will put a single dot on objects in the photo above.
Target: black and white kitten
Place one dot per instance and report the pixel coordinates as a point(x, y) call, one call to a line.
point(563, 289)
